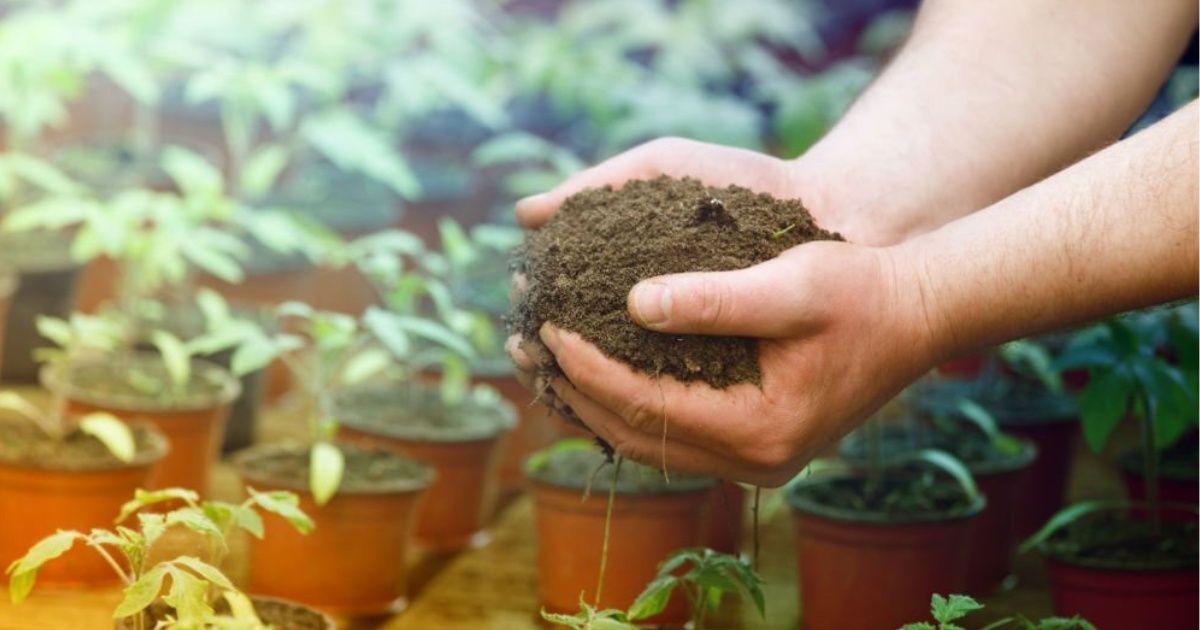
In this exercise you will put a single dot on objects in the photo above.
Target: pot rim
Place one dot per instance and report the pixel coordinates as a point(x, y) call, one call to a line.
point(240, 459)
point(329, 623)
point(1112, 566)
point(229, 389)
point(1005, 464)
point(506, 419)
point(804, 507)
point(157, 448)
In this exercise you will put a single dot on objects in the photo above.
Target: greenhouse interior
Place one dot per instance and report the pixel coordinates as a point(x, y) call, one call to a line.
point(598, 314)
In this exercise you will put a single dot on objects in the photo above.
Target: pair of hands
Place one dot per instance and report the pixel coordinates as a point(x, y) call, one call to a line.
point(843, 327)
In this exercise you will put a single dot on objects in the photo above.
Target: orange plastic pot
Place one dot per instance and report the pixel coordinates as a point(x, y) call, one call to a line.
point(645, 529)
point(1126, 599)
point(843, 555)
point(993, 539)
point(275, 613)
point(462, 498)
point(725, 523)
point(533, 431)
point(36, 502)
point(353, 563)
point(194, 433)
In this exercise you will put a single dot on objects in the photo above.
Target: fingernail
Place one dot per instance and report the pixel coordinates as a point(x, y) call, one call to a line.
point(651, 303)
point(528, 201)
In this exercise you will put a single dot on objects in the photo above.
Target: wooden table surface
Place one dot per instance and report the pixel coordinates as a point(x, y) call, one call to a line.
point(495, 587)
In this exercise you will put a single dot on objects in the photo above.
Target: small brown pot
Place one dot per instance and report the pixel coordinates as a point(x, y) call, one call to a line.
point(726, 520)
point(645, 529)
point(1126, 599)
point(279, 614)
point(355, 561)
point(842, 555)
point(195, 432)
point(992, 540)
point(458, 506)
point(37, 501)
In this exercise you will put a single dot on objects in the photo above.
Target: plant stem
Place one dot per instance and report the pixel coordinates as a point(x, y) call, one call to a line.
point(608, 512)
point(126, 578)
point(1150, 461)
point(754, 523)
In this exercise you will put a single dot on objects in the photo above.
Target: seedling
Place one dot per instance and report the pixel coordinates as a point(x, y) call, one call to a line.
point(111, 432)
point(704, 576)
point(192, 580)
point(948, 610)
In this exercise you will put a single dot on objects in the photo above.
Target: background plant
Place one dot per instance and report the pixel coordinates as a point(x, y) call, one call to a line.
point(946, 611)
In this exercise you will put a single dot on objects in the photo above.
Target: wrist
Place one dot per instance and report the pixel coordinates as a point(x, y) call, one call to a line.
point(922, 305)
point(846, 207)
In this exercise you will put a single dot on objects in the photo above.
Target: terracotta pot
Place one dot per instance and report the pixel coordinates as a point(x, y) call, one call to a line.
point(355, 562)
point(645, 529)
point(97, 285)
point(842, 555)
point(992, 539)
point(1044, 488)
point(533, 431)
point(343, 290)
point(726, 520)
point(37, 502)
point(279, 614)
point(1126, 599)
point(41, 290)
point(195, 432)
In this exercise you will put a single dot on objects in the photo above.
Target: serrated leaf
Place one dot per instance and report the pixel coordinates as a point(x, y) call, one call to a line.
point(23, 571)
point(250, 521)
point(141, 593)
point(143, 498)
point(284, 504)
point(188, 595)
point(115, 435)
point(955, 607)
point(326, 467)
point(654, 598)
point(209, 573)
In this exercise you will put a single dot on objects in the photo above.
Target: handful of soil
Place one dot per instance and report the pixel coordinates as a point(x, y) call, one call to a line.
point(581, 265)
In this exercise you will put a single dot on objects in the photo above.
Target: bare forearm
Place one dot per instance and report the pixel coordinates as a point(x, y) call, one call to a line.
point(989, 97)
point(1116, 231)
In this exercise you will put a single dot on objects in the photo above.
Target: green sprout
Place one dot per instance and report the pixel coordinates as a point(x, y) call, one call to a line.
point(948, 610)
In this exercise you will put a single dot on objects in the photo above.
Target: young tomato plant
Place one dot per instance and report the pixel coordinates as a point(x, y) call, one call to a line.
point(191, 580)
point(948, 610)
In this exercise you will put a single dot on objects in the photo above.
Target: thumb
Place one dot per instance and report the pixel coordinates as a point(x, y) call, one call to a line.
point(766, 300)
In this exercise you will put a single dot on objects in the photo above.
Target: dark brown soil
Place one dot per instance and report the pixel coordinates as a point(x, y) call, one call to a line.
point(140, 382)
point(581, 265)
point(900, 495)
point(574, 468)
point(23, 444)
point(416, 411)
point(278, 614)
point(1117, 541)
point(367, 470)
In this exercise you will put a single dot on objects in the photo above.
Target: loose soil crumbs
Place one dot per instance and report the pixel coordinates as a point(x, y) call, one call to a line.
point(1117, 541)
point(900, 495)
point(367, 470)
point(581, 265)
point(278, 614)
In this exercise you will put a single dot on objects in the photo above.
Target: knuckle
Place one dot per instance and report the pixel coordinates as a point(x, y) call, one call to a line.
point(715, 302)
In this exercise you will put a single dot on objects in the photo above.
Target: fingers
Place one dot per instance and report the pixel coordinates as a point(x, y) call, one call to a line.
point(694, 413)
point(712, 164)
point(776, 298)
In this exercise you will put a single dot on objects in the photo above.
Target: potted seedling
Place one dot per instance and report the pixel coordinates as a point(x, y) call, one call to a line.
point(606, 546)
point(59, 471)
point(947, 612)
point(1122, 567)
point(363, 500)
point(998, 462)
point(704, 576)
point(898, 524)
point(180, 591)
point(451, 425)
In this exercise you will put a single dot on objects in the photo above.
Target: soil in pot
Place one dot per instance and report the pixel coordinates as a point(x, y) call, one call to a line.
point(361, 536)
point(581, 265)
point(136, 387)
point(460, 442)
point(46, 285)
point(651, 518)
point(278, 614)
point(1116, 572)
point(904, 535)
point(72, 483)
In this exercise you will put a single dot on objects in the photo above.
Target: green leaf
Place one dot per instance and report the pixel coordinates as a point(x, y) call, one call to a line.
point(241, 608)
point(175, 357)
point(949, 464)
point(112, 433)
point(196, 520)
point(256, 353)
point(284, 504)
point(456, 379)
point(326, 467)
point(381, 324)
point(205, 570)
point(956, 607)
point(352, 145)
point(143, 498)
point(214, 307)
point(251, 521)
point(262, 170)
point(1069, 515)
point(15, 402)
point(188, 595)
point(455, 244)
point(141, 593)
point(920, 625)
point(191, 173)
point(23, 571)
point(366, 364)
point(1102, 405)
point(55, 329)
point(654, 598)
